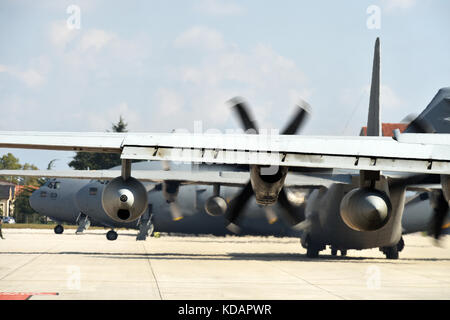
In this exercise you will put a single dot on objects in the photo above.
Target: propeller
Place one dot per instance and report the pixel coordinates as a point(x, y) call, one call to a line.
point(238, 203)
point(170, 190)
point(440, 211)
point(437, 199)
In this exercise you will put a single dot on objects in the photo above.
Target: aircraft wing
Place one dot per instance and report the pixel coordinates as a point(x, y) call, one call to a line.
point(224, 178)
point(355, 153)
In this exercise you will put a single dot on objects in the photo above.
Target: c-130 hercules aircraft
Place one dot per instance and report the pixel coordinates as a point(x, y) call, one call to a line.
point(363, 213)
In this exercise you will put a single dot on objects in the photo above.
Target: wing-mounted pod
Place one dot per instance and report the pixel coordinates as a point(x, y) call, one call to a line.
point(124, 199)
point(365, 209)
point(216, 205)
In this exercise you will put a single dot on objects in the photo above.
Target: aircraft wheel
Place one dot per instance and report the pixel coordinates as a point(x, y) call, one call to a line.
point(312, 250)
point(400, 245)
point(59, 229)
point(334, 252)
point(391, 253)
point(343, 253)
point(111, 235)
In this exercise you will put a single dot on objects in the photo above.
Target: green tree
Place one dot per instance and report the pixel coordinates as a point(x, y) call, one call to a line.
point(99, 161)
point(22, 206)
point(23, 212)
point(10, 162)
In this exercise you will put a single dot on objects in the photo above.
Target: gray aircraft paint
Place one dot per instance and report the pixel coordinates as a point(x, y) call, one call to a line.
point(191, 197)
point(437, 113)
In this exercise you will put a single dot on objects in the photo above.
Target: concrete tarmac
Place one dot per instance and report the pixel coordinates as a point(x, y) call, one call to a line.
point(88, 266)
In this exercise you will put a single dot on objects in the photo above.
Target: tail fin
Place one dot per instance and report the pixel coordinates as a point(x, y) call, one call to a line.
point(435, 117)
point(373, 121)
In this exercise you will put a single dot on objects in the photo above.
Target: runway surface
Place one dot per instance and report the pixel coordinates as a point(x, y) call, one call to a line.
point(38, 264)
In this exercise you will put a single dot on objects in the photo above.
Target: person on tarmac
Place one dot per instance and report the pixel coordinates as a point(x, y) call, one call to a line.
point(1, 222)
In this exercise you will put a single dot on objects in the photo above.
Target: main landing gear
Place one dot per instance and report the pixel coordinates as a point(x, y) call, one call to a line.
point(111, 235)
point(312, 248)
point(59, 229)
point(392, 252)
point(334, 251)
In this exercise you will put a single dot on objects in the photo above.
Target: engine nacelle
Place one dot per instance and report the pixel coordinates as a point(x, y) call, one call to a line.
point(216, 206)
point(124, 201)
point(365, 209)
point(266, 184)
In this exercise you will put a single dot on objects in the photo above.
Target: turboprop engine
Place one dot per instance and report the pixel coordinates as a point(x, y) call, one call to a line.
point(216, 206)
point(365, 209)
point(124, 200)
point(266, 184)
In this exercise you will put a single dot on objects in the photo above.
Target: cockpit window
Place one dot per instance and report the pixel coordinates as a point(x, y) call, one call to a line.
point(103, 181)
point(54, 185)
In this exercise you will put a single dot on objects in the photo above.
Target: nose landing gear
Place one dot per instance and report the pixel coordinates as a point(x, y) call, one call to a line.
point(59, 229)
point(392, 252)
point(111, 235)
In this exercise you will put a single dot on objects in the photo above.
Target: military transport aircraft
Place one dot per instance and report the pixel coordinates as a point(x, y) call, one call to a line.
point(362, 213)
point(171, 208)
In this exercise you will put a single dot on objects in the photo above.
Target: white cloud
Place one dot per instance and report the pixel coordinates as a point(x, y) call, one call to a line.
point(219, 7)
point(201, 38)
point(95, 39)
point(392, 5)
point(60, 35)
point(272, 83)
point(388, 97)
point(32, 77)
point(169, 101)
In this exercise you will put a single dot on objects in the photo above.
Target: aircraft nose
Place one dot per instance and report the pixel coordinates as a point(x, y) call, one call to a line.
point(35, 200)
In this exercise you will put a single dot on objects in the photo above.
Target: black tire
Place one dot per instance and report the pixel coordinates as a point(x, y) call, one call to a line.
point(400, 245)
point(311, 249)
point(312, 252)
point(111, 235)
point(391, 253)
point(59, 229)
point(334, 252)
point(343, 253)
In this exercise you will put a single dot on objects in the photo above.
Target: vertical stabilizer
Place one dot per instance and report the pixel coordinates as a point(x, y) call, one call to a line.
point(373, 121)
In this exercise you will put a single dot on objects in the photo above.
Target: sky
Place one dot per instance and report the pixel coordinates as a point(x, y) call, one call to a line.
point(164, 65)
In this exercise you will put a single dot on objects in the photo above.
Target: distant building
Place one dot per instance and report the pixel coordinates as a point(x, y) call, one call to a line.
point(387, 129)
point(8, 193)
point(7, 196)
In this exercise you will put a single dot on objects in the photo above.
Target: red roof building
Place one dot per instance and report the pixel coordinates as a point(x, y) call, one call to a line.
point(387, 129)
